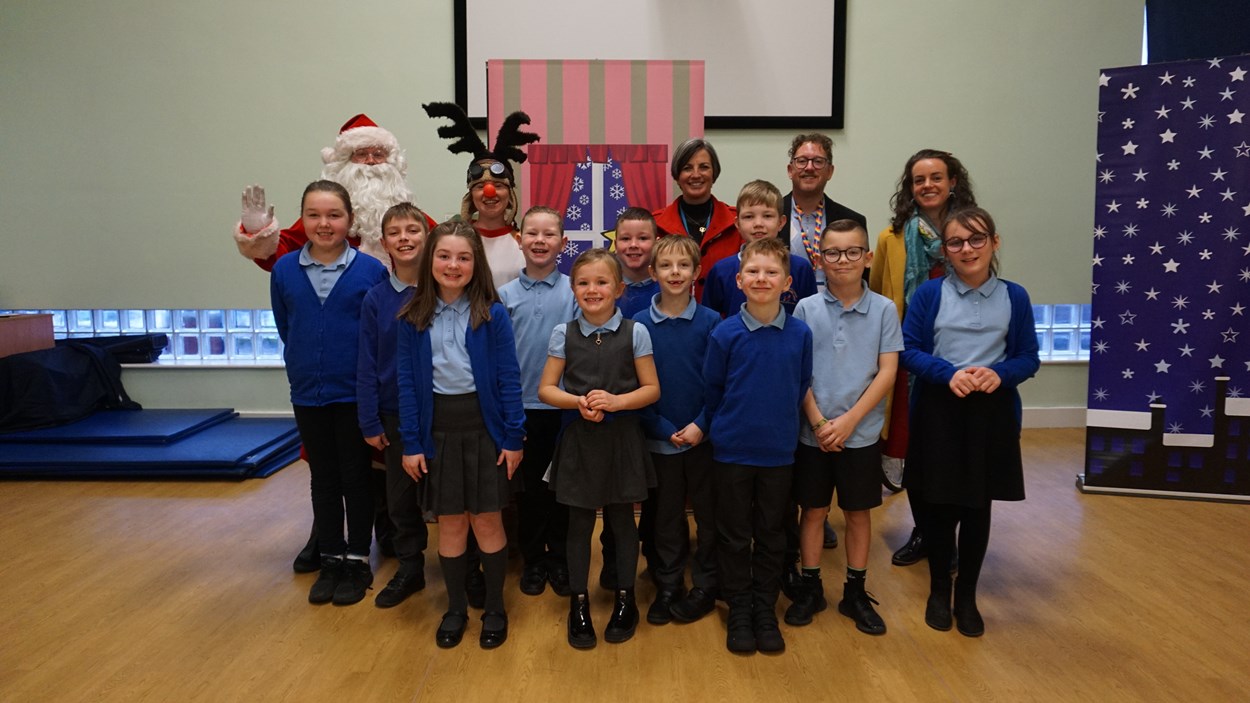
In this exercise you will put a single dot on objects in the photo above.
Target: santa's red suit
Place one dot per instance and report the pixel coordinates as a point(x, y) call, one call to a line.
point(374, 188)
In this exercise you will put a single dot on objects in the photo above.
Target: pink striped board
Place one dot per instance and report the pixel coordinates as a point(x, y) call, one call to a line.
point(598, 102)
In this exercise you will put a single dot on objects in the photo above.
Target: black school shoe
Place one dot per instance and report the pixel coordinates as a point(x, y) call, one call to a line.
point(660, 612)
point(558, 576)
point(494, 630)
point(451, 630)
point(407, 580)
point(694, 606)
point(624, 620)
point(327, 582)
point(355, 582)
point(581, 628)
point(808, 601)
point(533, 579)
point(912, 552)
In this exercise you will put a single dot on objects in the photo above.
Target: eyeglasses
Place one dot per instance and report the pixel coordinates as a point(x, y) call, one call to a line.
point(976, 241)
point(495, 167)
point(817, 162)
point(832, 256)
point(366, 153)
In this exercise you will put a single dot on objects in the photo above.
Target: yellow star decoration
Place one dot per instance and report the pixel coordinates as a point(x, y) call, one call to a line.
point(610, 235)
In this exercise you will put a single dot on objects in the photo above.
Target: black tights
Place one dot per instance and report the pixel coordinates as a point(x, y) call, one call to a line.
point(974, 538)
point(625, 534)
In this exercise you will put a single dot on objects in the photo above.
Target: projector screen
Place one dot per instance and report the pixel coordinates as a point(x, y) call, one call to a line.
point(774, 64)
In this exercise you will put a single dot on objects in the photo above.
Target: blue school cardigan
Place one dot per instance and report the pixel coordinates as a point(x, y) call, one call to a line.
point(496, 374)
point(1020, 364)
point(321, 338)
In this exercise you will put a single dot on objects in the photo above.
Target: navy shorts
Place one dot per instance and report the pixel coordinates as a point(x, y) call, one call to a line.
point(855, 474)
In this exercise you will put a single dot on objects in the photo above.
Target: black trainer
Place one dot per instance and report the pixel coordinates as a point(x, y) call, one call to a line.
point(831, 537)
point(355, 582)
point(809, 600)
point(768, 639)
point(740, 638)
point(406, 581)
point(856, 604)
point(327, 582)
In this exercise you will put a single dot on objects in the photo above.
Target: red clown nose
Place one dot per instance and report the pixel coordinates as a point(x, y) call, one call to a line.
point(489, 191)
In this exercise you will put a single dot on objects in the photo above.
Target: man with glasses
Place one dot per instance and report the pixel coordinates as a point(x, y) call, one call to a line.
point(806, 207)
point(367, 161)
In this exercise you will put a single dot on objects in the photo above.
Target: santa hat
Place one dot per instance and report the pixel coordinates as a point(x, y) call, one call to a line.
point(359, 131)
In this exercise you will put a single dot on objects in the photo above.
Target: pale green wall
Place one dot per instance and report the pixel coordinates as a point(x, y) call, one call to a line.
point(129, 129)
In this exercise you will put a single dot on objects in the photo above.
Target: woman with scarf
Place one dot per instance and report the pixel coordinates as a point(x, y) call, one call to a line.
point(934, 183)
point(696, 213)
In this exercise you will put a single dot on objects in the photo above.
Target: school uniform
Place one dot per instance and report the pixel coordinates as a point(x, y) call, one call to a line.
point(536, 306)
point(637, 296)
point(681, 344)
point(377, 410)
point(847, 343)
point(757, 374)
point(316, 309)
point(460, 405)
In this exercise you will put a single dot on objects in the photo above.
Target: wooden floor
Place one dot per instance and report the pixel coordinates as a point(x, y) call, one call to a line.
point(184, 591)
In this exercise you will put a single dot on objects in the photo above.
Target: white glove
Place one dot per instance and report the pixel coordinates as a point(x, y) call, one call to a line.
point(256, 215)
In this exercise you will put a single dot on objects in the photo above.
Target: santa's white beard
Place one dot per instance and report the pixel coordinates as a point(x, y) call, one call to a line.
point(374, 189)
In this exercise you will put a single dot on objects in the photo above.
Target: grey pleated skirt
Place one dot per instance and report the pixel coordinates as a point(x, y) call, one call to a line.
point(463, 475)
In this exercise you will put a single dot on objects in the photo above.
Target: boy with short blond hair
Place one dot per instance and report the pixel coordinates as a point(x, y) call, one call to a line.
point(404, 230)
point(759, 217)
point(680, 329)
point(758, 369)
point(856, 349)
point(538, 300)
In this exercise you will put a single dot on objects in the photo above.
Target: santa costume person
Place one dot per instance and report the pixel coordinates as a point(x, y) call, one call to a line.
point(367, 161)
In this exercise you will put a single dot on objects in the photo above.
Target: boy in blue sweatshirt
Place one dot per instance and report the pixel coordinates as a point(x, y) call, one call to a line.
point(537, 301)
point(758, 370)
point(680, 329)
point(377, 395)
point(635, 239)
point(759, 217)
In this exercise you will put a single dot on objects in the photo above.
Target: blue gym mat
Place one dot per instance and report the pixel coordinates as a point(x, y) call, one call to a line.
point(234, 448)
point(157, 426)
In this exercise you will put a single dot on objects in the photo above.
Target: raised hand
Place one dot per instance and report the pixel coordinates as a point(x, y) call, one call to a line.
point(256, 215)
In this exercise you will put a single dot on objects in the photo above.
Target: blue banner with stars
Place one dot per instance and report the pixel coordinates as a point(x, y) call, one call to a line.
point(1170, 352)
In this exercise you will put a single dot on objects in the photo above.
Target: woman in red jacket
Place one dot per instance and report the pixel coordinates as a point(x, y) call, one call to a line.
point(696, 213)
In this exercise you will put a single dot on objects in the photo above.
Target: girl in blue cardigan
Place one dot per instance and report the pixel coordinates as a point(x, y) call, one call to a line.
point(461, 418)
point(969, 342)
point(316, 294)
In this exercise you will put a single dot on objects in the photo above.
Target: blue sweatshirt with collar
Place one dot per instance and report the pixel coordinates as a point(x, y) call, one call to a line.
point(321, 338)
point(496, 375)
point(377, 386)
point(756, 381)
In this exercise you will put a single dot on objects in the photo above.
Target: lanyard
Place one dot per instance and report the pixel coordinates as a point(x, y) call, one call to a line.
point(685, 222)
point(812, 247)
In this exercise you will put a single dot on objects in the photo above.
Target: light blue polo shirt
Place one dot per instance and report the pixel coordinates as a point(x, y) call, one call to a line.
point(971, 325)
point(846, 344)
point(453, 372)
point(324, 276)
point(536, 306)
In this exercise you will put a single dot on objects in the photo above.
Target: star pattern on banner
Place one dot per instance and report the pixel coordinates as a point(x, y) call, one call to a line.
point(1171, 263)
